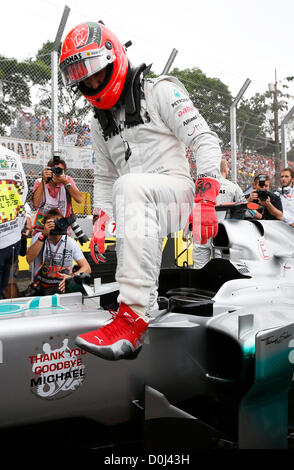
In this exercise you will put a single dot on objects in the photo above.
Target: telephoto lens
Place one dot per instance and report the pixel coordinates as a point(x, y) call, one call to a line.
point(81, 236)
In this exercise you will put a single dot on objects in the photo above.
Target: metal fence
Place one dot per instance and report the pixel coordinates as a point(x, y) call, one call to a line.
point(26, 124)
point(26, 127)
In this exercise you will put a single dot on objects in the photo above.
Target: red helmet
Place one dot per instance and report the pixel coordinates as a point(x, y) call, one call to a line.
point(87, 49)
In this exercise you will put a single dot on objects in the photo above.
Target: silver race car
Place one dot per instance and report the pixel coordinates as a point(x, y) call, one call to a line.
point(215, 370)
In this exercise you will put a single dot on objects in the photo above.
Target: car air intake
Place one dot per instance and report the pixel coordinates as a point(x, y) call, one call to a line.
point(190, 306)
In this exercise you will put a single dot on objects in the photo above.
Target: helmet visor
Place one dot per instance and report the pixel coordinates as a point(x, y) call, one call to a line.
point(76, 68)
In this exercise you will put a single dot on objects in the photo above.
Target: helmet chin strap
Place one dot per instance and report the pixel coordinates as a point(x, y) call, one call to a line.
point(130, 98)
point(130, 95)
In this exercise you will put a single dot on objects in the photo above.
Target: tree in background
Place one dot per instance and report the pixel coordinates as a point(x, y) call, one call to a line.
point(26, 86)
point(252, 129)
point(71, 105)
point(255, 120)
point(16, 79)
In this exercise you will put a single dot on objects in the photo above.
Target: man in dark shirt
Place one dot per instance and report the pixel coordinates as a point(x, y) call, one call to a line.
point(272, 206)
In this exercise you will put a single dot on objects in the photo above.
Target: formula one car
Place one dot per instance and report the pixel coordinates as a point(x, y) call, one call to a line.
point(215, 370)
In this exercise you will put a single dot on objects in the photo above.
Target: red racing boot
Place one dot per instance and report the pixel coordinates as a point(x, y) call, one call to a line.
point(122, 338)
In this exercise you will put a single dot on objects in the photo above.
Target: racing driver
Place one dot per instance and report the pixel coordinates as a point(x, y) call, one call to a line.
point(140, 129)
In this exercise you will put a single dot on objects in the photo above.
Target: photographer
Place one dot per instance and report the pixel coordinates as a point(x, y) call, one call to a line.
point(286, 193)
point(53, 254)
point(272, 206)
point(54, 190)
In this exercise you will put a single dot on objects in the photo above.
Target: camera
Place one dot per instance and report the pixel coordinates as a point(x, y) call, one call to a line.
point(263, 194)
point(62, 224)
point(32, 290)
point(56, 169)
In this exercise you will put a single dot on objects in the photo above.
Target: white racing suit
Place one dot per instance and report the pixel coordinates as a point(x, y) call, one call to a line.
point(150, 194)
point(229, 192)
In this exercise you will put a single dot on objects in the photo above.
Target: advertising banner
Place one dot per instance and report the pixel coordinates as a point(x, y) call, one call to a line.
point(39, 153)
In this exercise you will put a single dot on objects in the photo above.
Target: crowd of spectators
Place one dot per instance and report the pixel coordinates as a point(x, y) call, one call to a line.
point(80, 131)
point(32, 127)
point(248, 165)
point(247, 168)
point(28, 126)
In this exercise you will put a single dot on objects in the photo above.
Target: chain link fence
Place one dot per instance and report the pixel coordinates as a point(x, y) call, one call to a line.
point(26, 127)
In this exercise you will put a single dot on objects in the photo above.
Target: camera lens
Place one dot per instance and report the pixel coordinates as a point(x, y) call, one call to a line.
point(60, 226)
point(57, 170)
point(263, 194)
point(61, 223)
point(79, 233)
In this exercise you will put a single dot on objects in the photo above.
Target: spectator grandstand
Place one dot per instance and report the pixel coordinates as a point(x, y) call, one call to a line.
point(248, 165)
point(76, 133)
point(38, 128)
